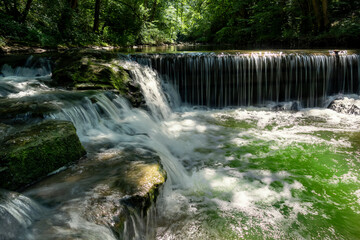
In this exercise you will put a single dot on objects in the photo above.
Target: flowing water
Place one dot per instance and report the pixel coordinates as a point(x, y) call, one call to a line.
point(244, 172)
point(222, 80)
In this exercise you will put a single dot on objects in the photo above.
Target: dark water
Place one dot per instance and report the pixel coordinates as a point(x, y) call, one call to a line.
point(257, 78)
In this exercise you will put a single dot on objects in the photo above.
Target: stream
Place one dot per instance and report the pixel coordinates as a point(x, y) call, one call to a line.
point(250, 147)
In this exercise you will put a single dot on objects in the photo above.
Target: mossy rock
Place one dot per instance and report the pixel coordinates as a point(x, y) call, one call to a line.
point(84, 70)
point(21, 110)
point(133, 186)
point(33, 152)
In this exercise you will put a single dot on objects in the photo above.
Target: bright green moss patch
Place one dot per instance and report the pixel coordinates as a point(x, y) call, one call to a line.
point(33, 152)
point(231, 122)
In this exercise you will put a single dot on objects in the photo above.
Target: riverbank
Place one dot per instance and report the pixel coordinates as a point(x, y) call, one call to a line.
point(9, 48)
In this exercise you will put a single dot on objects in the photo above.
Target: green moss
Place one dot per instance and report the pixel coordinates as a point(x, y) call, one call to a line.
point(91, 68)
point(34, 152)
point(95, 70)
point(234, 123)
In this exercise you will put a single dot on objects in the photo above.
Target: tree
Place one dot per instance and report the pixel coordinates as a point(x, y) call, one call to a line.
point(13, 8)
point(96, 16)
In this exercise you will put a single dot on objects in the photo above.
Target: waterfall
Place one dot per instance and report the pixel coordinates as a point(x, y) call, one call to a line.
point(33, 67)
point(107, 120)
point(221, 80)
point(25, 80)
point(151, 88)
point(17, 213)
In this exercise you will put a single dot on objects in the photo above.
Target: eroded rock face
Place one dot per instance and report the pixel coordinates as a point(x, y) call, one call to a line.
point(32, 152)
point(91, 70)
point(346, 105)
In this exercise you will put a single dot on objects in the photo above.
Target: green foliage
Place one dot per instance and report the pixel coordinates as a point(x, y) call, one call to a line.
point(153, 22)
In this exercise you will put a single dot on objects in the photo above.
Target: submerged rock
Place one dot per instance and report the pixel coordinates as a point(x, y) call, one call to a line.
point(28, 154)
point(346, 105)
point(91, 70)
point(286, 106)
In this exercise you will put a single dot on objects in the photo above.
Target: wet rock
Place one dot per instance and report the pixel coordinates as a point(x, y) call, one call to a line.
point(32, 152)
point(111, 187)
point(346, 105)
point(133, 188)
point(4, 130)
point(83, 70)
point(21, 110)
point(289, 106)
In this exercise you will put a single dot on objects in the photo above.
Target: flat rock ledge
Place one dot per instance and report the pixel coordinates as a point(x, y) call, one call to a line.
point(31, 153)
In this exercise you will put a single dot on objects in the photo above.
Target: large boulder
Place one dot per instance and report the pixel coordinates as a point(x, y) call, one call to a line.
point(133, 187)
point(111, 188)
point(91, 70)
point(28, 154)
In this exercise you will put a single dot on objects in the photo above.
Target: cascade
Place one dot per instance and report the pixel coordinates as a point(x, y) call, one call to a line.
point(221, 80)
point(33, 67)
point(107, 118)
point(232, 173)
point(25, 80)
point(150, 85)
point(17, 213)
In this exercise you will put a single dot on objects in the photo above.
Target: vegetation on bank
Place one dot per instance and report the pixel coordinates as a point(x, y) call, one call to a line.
point(132, 22)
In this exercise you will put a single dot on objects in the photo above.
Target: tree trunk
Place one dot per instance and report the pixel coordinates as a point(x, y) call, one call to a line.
point(317, 13)
point(7, 9)
point(15, 12)
point(73, 4)
point(96, 16)
point(26, 11)
point(325, 14)
point(153, 11)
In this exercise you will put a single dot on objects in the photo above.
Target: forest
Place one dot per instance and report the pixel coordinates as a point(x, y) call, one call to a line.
point(292, 23)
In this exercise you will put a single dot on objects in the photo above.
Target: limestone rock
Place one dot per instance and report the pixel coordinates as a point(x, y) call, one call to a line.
point(111, 187)
point(86, 70)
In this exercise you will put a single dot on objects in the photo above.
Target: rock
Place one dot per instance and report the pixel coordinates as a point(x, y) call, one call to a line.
point(21, 110)
point(4, 130)
point(84, 70)
point(33, 152)
point(346, 105)
point(111, 187)
point(290, 106)
point(133, 188)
